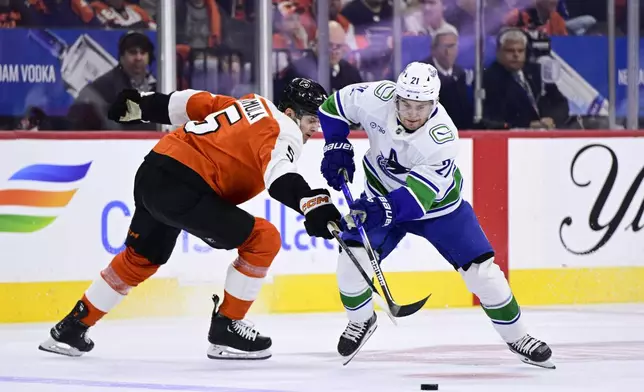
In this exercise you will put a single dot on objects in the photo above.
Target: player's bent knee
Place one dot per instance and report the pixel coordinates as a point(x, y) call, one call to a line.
point(262, 245)
point(130, 268)
point(156, 250)
point(483, 275)
point(347, 271)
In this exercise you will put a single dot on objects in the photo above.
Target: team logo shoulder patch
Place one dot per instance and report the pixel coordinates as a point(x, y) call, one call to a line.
point(441, 134)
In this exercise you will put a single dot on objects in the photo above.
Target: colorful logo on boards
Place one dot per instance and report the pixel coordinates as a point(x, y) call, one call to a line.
point(39, 198)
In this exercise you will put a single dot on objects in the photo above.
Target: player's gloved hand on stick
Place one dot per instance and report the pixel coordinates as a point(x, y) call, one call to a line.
point(125, 109)
point(318, 210)
point(338, 157)
point(371, 213)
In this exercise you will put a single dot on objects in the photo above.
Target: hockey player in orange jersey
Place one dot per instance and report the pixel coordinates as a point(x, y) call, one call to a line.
point(226, 152)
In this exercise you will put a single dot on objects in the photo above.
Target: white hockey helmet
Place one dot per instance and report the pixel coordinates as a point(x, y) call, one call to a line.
point(417, 82)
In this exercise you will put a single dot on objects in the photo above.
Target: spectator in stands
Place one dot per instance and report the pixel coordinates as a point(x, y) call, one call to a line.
point(578, 24)
point(289, 37)
point(151, 7)
point(243, 10)
point(63, 14)
point(515, 93)
point(89, 111)
point(543, 16)
point(119, 14)
point(462, 14)
point(14, 13)
point(305, 11)
point(375, 60)
point(335, 6)
point(342, 72)
point(198, 24)
point(364, 14)
point(33, 120)
point(427, 18)
point(453, 95)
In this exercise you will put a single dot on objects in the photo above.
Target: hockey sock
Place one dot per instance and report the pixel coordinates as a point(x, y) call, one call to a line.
point(486, 280)
point(246, 274)
point(127, 270)
point(355, 293)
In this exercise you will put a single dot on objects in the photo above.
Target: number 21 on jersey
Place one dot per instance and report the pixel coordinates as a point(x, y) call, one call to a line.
point(212, 122)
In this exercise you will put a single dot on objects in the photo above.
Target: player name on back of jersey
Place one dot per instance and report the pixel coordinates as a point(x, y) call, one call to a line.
point(253, 110)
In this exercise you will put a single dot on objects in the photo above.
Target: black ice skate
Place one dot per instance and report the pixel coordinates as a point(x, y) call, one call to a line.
point(355, 336)
point(533, 351)
point(69, 336)
point(234, 339)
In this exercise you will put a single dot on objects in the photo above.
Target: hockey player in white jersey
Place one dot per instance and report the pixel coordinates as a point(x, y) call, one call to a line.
point(412, 185)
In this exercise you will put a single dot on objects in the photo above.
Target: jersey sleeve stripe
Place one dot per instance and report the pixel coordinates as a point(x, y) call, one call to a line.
point(451, 186)
point(178, 110)
point(372, 178)
point(453, 195)
point(422, 192)
point(420, 203)
point(329, 109)
point(372, 189)
point(426, 181)
point(339, 103)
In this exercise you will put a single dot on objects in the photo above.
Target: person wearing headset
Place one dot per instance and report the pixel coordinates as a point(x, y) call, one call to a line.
point(89, 110)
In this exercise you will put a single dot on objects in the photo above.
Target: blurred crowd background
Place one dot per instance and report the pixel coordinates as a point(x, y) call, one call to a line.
point(544, 62)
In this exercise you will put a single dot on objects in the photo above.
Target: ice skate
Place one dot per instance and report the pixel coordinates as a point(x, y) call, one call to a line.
point(234, 339)
point(355, 336)
point(533, 351)
point(69, 336)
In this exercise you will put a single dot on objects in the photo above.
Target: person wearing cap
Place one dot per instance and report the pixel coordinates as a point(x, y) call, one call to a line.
point(89, 111)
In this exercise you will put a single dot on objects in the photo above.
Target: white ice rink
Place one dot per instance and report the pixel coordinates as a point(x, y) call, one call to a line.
point(596, 348)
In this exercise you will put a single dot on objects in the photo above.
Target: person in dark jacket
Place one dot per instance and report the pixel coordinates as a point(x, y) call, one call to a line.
point(89, 110)
point(515, 93)
point(343, 73)
point(453, 95)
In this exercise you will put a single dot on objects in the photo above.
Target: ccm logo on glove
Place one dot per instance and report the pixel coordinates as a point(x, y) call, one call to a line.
point(338, 146)
point(312, 203)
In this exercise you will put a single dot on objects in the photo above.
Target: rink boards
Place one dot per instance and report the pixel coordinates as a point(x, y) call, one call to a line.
point(565, 214)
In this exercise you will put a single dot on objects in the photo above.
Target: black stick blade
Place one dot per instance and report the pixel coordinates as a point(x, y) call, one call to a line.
point(408, 310)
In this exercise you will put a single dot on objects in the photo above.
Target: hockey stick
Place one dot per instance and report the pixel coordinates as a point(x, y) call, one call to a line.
point(396, 310)
point(335, 231)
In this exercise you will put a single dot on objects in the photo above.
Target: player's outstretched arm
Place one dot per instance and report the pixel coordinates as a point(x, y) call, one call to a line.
point(287, 186)
point(426, 185)
point(175, 108)
point(336, 114)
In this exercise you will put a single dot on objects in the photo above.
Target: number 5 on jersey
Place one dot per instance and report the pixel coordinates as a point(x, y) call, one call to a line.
point(212, 122)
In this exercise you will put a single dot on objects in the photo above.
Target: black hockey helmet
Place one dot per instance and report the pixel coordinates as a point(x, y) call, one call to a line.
point(302, 95)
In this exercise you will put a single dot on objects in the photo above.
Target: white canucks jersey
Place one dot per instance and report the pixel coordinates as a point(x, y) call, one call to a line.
point(422, 161)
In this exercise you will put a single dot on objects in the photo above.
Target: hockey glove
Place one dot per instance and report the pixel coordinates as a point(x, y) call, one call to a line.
point(318, 210)
point(337, 156)
point(126, 109)
point(371, 213)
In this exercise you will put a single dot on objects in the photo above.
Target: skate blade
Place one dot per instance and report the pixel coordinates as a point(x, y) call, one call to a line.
point(370, 332)
point(228, 353)
point(52, 346)
point(547, 364)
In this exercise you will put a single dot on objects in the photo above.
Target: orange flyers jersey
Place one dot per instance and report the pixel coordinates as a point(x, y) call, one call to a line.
point(239, 147)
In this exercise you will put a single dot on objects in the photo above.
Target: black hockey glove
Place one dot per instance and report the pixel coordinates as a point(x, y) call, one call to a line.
point(318, 210)
point(126, 109)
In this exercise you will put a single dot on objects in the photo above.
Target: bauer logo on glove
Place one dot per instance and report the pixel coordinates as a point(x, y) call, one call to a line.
point(338, 146)
point(338, 160)
point(371, 213)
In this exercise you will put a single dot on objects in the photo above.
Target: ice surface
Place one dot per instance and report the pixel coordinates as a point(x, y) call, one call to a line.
point(596, 348)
